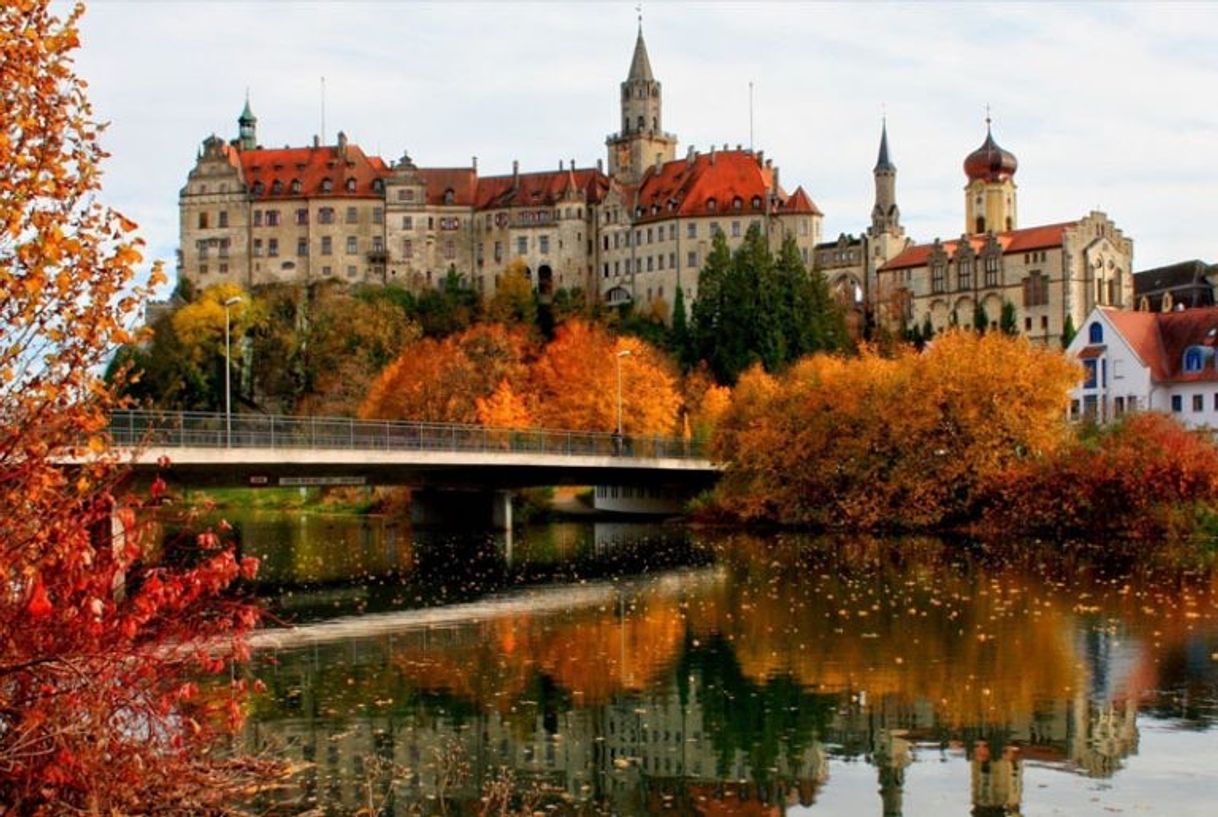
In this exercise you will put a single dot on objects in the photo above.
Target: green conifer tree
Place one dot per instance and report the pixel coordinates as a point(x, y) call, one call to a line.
point(928, 329)
point(680, 331)
point(1068, 331)
point(981, 321)
point(1007, 323)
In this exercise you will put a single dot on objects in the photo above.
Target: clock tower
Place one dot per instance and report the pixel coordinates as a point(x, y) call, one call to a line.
point(641, 140)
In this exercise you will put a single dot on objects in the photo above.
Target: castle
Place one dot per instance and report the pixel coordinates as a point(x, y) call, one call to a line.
point(633, 230)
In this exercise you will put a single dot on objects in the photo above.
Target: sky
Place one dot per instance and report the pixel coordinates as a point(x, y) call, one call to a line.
point(1106, 105)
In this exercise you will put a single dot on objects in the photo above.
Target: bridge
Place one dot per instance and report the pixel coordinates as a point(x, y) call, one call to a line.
point(265, 450)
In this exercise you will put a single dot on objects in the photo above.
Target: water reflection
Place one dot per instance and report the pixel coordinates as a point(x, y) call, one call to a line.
point(752, 686)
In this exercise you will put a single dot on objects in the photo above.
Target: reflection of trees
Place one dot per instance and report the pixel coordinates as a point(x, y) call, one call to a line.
point(772, 721)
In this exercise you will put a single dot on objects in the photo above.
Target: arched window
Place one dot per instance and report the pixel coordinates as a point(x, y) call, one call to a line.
point(737, 203)
point(1095, 333)
point(350, 185)
point(980, 224)
point(641, 121)
point(277, 186)
point(326, 185)
point(258, 188)
point(378, 185)
point(711, 204)
point(1193, 359)
point(295, 185)
point(756, 202)
point(449, 196)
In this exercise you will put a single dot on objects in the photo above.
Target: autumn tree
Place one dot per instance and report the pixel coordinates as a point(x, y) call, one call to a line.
point(442, 379)
point(96, 714)
point(513, 301)
point(575, 383)
point(904, 441)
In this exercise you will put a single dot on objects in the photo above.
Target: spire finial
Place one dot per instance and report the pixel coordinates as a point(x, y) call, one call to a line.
point(987, 117)
point(638, 9)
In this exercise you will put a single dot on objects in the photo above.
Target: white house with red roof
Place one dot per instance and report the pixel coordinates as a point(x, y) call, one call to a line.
point(638, 232)
point(1148, 361)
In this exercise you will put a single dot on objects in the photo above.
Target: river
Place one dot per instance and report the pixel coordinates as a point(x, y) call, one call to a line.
point(633, 669)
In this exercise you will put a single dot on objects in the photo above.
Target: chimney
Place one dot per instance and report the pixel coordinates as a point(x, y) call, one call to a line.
point(691, 154)
point(342, 144)
point(725, 145)
point(515, 172)
point(761, 158)
point(473, 161)
point(561, 167)
point(572, 164)
point(712, 154)
point(316, 141)
point(659, 162)
point(738, 146)
point(600, 166)
point(775, 186)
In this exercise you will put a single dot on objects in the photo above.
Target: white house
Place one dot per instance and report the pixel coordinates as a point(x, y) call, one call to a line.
point(1157, 361)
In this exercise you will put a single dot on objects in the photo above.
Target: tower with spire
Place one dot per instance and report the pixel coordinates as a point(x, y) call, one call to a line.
point(885, 215)
point(247, 127)
point(642, 140)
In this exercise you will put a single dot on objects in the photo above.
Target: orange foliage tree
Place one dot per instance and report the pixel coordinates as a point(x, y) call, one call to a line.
point(575, 383)
point(95, 716)
point(442, 380)
point(906, 441)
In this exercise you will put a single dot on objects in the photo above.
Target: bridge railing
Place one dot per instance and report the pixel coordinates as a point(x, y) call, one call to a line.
point(209, 430)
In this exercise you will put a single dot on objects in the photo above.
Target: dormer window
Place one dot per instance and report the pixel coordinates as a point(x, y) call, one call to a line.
point(449, 196)
point(277, 187)
point(326, 185)
point(737, 203)
point(258, 188)
point(1194, 358)
point(711, 204)
point(756, 202)
point(295, 185)
point(350, 185)
point(1095, 333)
point(378, 185)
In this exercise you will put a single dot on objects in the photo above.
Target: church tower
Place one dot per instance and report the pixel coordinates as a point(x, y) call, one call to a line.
point(989, 196)
point(247, 128)
point(641, 140)
point(885, 216)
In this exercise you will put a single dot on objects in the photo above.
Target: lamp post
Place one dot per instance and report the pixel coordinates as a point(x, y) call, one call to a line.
point(618, 359)
point(228, 378)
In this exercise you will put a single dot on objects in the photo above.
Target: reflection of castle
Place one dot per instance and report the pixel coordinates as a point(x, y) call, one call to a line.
point(667, 744)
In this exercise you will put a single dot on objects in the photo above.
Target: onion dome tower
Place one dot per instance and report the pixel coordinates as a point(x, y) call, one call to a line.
point(989, 195)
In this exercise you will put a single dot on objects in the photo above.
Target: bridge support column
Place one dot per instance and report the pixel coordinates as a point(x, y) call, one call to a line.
point(501, 510)
point(464, 509)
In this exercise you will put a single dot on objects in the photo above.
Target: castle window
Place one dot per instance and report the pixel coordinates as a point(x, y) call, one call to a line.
point(756, 202)
point(641, 121)
point(257, 218)
point(691, 230)
point(691, 260)
point(938, 278)
point(711, 204)
point(326, 185)
point(272, 247)
point(352, 245)
point(327, 245)
point(378, 215)
point(302, 246)
point(325, 215)
point(202, 221)
point(350, 185)
point(964, 273)
point(737, 203)
point(736, 228)
point(378, 185)
point(543, 244)
point(1095, 332)
point(272, 218)
point(980, 224)
point(302, 216)
point(1035, 290)
point(449, 196)
point(991, 271)
point(258, 188)
point(223, 219)
point(277, 186)
point(352, 215)
point(295, 185)
point(408, 248)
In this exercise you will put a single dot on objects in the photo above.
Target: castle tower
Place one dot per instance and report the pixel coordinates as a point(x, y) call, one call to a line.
point(641, 140)
point(247, 127)
point(885, 216)
point(989, 196)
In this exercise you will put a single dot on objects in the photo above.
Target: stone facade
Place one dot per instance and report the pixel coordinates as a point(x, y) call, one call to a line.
point(636, 233)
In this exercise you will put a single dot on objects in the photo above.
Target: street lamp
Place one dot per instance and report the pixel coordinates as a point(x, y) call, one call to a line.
point(618, 359)
point(228, 377)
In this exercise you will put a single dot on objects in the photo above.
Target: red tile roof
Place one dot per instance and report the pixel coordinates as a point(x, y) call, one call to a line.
point(1160, 339)
point(463, 181)
point(686, 187)
point(542, 189)
point(1040, 237)
point(262, 167)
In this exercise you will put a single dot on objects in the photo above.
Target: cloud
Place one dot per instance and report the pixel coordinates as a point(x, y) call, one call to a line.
point(1104, 104)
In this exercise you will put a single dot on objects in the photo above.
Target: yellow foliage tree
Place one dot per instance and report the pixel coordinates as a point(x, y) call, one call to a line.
point(504, 408)
point(513, 301)
point(199, 325)
point(575, 382)
point(905, 441)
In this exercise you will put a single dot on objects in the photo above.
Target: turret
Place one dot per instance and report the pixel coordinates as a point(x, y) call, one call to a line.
point(641, 140)
point(885, 215)
point(247, 128)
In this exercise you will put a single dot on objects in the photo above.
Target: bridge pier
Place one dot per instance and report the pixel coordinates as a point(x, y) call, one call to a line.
point(453, 508)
